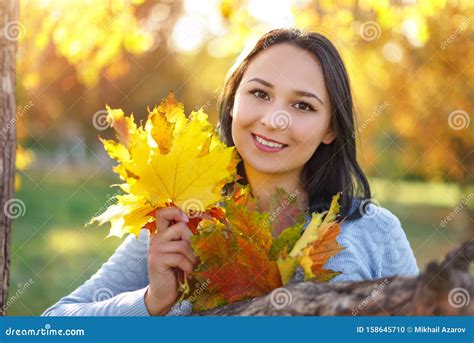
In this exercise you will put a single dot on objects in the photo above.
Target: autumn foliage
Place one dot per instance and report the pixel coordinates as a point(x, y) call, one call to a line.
point(246, 254)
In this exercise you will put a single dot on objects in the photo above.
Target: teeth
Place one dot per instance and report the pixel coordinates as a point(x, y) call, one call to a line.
point(269, 144)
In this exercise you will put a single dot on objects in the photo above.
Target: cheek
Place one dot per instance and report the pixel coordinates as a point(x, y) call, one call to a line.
point(243, 114)
point(241, 122)
point(306, 135)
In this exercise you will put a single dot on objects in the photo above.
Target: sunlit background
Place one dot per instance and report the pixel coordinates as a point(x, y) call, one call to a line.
point(411, 65)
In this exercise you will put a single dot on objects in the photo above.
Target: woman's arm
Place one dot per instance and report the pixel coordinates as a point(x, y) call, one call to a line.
point(118, 288)
point(397, 257)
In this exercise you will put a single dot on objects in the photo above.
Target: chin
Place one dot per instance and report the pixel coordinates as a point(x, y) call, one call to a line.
point(265, 167)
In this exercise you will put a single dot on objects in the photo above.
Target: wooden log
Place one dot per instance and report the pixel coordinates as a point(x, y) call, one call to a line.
point(444, 288)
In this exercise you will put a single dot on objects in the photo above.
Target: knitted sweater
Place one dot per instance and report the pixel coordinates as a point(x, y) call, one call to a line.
point(376, 246)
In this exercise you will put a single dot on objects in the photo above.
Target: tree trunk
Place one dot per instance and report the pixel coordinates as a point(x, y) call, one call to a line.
point(443, 289)
point(10, 29)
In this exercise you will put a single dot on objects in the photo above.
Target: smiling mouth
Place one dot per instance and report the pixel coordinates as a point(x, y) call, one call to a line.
point(267, 145)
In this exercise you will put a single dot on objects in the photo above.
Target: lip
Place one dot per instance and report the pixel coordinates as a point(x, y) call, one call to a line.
point(269, 139)
point(266, 148)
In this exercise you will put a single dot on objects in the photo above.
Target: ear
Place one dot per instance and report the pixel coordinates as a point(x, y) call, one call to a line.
point(329, 137)
point(230, 113)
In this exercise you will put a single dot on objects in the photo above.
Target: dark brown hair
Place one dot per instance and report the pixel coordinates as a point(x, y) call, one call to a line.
point(333, 167)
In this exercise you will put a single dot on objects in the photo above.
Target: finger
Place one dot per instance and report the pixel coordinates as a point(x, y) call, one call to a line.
point(175, 261)
point(182, 247)
point(166, 214)
point(178, 231)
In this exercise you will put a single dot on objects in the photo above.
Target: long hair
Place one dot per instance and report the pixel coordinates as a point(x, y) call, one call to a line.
point(333, 167)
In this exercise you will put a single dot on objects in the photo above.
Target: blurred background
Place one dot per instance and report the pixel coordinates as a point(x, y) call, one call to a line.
point(412, 72)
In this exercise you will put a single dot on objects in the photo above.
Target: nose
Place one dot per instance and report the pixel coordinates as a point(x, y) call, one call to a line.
point(277, 119)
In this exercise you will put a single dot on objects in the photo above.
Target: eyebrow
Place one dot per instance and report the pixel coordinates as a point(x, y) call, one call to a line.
point(297, 92)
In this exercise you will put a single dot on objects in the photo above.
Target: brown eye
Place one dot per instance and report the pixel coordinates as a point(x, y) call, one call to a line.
point(259, 94)
point(303, 106)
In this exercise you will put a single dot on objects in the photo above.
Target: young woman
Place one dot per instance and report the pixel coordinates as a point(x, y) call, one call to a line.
point(287, 107)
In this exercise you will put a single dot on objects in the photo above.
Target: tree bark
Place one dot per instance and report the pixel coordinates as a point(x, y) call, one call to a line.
point(442, 289)
point(9, 33)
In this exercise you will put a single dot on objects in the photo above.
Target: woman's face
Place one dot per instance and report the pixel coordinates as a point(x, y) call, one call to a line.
point(281, 99)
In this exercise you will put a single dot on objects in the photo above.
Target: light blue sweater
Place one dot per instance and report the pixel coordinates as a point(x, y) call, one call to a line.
point(376, 246)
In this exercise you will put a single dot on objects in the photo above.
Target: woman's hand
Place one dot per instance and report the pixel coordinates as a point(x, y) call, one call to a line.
point(170, 250)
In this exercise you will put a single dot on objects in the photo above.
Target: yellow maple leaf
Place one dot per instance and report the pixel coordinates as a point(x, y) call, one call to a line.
point(315, 247)
point(172, 159)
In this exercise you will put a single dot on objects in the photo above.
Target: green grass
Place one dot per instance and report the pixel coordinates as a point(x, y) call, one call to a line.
point(50, 244)
point(52, 247)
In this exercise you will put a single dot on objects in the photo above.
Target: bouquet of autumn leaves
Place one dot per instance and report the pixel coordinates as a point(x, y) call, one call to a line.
point(244, 252)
